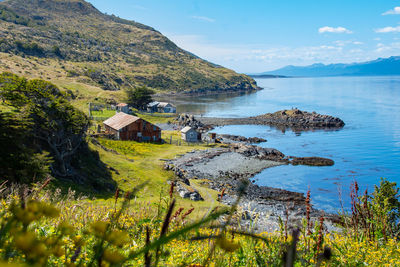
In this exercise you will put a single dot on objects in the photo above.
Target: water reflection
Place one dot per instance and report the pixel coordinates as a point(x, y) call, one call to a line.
point(201, 105)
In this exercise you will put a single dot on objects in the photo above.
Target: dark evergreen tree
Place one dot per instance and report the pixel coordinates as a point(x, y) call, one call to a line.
point(19, 160)
point(139, 97)
point(57, 127)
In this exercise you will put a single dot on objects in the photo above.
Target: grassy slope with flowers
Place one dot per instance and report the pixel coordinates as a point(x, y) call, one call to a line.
point(126, 231)
point(135, 163)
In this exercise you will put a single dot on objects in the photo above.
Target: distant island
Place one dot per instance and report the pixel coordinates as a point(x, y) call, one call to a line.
point(378, 67)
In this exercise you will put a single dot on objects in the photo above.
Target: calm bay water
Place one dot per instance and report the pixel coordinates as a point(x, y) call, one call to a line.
point(367, 148)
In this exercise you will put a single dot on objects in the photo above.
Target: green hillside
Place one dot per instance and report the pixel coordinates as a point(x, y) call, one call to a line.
point(76, 46)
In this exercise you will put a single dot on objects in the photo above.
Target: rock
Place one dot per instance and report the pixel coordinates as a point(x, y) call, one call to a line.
point(195, 196)
point(186, 191)
point(238, 138)
point(246, 215)
point(188, 120)
point(311, 161)
point(259, 152)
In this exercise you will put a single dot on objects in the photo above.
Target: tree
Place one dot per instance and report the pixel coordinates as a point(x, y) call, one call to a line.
point(57, 126)
point(19, 160)
point(139, 97)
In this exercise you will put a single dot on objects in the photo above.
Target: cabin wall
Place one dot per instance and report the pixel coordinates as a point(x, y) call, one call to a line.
point(141, 130)
point(190, 136)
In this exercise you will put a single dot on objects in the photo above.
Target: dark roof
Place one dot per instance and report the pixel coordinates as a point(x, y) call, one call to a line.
point(120, 120)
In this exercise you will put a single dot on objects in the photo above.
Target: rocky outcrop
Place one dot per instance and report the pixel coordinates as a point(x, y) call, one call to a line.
point(184, 120)
point(298, 118)
point(311, 161)
point(259, 152)
point(185, 191)
point(295, 119)
point(226, 138)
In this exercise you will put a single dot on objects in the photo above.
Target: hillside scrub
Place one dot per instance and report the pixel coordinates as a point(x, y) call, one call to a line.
point(111, 52)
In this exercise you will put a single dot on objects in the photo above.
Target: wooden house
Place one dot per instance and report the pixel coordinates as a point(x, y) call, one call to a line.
point(164, 107)
point(161, 107)
point(152, 107)
point(127, 127)
point(189, 134)
point(123, 107)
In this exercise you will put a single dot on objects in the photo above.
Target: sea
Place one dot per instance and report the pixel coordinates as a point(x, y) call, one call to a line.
point(365, 150)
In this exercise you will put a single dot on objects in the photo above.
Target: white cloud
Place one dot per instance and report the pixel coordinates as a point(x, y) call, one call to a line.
point(354, 51)
point(394, 11)
point(253, 58)
point(348, 42)
point(333, 30)
point(207, 19)
point(389, 49)
point(388, 29)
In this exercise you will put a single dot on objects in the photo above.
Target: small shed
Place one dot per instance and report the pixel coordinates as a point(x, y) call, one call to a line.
point(189, 134)
point(127, 127)
point(123, 107)
point(164, 107)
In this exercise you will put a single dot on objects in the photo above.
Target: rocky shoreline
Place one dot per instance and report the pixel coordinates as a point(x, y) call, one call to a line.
point(225, 168)
point(211, 91)
point(295, 119)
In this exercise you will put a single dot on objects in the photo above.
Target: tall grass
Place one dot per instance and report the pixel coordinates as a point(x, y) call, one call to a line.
point(41, 227)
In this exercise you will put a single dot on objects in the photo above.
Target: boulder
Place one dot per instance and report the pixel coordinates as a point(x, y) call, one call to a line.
point(311, 161)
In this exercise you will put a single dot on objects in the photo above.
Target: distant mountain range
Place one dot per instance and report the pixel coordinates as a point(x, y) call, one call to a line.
point(381, 66)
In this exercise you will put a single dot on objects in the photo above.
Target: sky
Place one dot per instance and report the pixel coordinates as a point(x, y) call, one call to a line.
point(261, 35)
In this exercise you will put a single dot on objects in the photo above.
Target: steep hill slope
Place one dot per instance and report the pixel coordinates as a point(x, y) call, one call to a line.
point(70, 41)
point(381, 66)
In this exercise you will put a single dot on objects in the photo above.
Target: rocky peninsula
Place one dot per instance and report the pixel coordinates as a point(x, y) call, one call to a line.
point(295, 119)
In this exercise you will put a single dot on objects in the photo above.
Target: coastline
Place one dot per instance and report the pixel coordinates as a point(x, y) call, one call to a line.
point(225, 168)
point(206, 92)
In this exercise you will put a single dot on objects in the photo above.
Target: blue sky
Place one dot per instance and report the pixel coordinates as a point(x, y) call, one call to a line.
point(256, 35)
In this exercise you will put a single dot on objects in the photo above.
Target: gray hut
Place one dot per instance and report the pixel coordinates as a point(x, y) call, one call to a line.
point(189, 134)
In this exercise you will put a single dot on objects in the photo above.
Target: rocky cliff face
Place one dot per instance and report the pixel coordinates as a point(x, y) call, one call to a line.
point(105, 51)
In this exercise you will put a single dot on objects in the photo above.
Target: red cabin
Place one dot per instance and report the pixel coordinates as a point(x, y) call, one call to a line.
point(127, 127)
